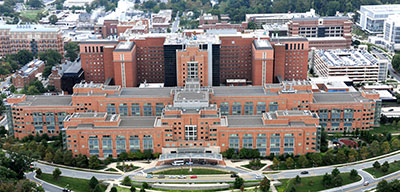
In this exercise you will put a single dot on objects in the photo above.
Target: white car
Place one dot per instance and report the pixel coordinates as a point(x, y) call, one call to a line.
point(181, 177)
point(172, 177)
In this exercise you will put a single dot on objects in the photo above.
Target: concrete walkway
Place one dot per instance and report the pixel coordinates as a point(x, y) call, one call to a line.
point(140, 163)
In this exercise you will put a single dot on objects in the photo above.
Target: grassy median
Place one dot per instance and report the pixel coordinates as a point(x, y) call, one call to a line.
point(393, 167)
point(75, 184)
point(313, 183)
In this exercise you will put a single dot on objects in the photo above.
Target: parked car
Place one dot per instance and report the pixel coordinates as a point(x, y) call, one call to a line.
point(189, 163)
point(149, 176)
point(259, 177)
point(172, 177)
point(161, 176)
point(304, 172)
point(366, 183)
point(181, 177)
point(213, 163)
point(234, 175)
point(193, 177)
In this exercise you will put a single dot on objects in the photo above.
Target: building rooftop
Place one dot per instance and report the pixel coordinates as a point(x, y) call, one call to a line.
point(42, 100)
point(347, 57)
point(28, 28)
point(256, 121)
point(339, 97)
point(124, 46)
point(382, 9)
point(262, 44)
point(143, 93)
point(241, 91)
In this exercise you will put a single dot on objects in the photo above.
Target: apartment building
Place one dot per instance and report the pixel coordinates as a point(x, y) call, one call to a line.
point(358, 65)
point(34, 38)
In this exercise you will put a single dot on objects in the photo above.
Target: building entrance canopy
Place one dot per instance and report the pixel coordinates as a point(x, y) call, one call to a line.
point(191, 156)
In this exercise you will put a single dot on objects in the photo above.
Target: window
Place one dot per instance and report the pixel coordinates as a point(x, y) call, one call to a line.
point(248, 108)
point(273, 106)
point(120, 144)
point(123, 109)
point(190, 132)
point(224, 107)
point(147, 109)
point(111, 108)
point(260, 108)
point(159, 108)
point(236, 108)
point(135, 108)
point(134, 143)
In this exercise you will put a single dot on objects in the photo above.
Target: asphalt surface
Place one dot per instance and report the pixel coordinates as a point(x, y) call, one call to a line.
point(46, 186)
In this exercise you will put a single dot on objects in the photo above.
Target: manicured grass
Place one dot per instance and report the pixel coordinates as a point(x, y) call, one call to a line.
point(75, 184)
point(254, 167)
point(393, 167)
point(312, 183)
point(386, 128)
point(30, 14)
point(111, 169)
point(121, 189)
point(195, 171)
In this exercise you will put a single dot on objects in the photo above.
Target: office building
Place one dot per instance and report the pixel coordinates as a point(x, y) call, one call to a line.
point(34, 38)
point(278, 18)
point(323, 32)
point(372, 17)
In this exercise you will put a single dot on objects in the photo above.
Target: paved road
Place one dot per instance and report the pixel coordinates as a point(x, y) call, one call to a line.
point(76, 173)
point(46, 186)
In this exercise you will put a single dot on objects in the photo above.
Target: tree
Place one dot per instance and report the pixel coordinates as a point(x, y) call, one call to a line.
point(56, 173)
point(337, 181)
point(376, 165)
point(374, 148)
point(93, 182)
point(39, 172)
point(47, 71)
point(132, 189)
point(298, 179)
point(329, 157)
point(126, 181)
point(97, 188)
point(395, 144)
point(364, 152)
point(335, 172)
point(238, 182)
point(396, 62)
point(264, 185)
point(352, 156)
point(68, 158)
point(341, 157)
point(383, 186)
point(142, 189)
point(385, 147)
point(303, 162)
point(316, 158)
point(94, 162)
point(114, 189)
point(275, 163)
point(385, 167)
point(35, 3)
point(327, 180)
point(53, 19)
point(252, 25)
point(145, 185)
point(290, 162)
point(72, 50)
point(23, 57)
point(353, 174)
point(58, 157)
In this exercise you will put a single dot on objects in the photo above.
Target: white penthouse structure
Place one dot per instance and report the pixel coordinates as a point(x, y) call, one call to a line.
point(372, 17)
point(358, 65)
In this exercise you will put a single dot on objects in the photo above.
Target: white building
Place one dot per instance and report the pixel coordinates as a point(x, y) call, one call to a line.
point(77, 3)
point(358, 65)
point(372, 17)
point(279, 18)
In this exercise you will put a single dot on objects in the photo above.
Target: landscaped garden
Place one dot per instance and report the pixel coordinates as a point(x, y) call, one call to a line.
point(74, 184)
point(195, 171)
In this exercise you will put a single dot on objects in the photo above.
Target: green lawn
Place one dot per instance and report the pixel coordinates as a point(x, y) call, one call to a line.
point(195, 171)
point(386, 128)
point(75, 184)
point(312, 183)
point(393, 167)
point(121, 189)
point(30, 14)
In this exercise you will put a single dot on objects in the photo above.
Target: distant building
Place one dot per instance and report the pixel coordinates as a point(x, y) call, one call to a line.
point(160, 21)
point(27, 73)
point(372, 17)
point(279, 18)
point(358, 65)
point(225, 25)
point(208, 19)
point(323, 32)
point(77, 3)
point(34, 38)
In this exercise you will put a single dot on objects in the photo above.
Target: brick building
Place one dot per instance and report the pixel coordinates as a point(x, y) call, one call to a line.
point(323, 32)
point(27, 73)
point(229, 57)
point(104, 119)
point(34, 38)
